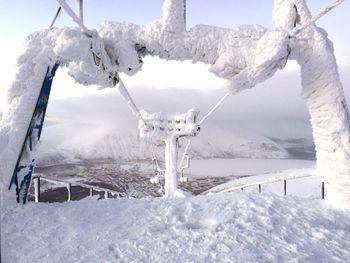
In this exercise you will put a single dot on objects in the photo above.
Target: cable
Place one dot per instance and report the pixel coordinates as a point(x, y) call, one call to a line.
point(201, 122)
point(55, 17)
point(214, 108)
point(129, 100)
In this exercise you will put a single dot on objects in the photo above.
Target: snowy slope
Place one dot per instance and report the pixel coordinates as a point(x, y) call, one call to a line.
point(220, 228)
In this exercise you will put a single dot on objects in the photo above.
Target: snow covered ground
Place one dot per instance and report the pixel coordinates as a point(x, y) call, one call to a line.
point(231, 227)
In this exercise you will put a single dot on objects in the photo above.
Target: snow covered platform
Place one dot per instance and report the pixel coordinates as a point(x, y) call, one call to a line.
point(230, 227)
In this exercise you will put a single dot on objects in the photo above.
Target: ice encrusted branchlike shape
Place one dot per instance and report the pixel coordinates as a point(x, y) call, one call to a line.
point(325, 99)
point(245, 56)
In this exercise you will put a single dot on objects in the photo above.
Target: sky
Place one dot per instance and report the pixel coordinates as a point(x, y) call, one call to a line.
point(21, 17)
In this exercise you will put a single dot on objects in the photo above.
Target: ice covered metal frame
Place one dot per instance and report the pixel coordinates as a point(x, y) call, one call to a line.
point(245, 56)
point(169, 128)
point(25, 162)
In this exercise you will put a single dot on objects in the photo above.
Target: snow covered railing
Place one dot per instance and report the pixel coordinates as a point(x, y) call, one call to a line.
point(38, 177)
point(241, 187)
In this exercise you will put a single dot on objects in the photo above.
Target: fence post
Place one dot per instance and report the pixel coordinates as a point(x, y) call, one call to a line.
point(106, 194)
point(322, 190)
point(91, 191)
point(37, 189)
point(69, 188)
point(259, 188)
point(285, 187)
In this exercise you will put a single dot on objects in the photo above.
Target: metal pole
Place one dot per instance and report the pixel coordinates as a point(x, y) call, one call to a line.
point(37, 189)
point(185, 19)
point(80, 9)
point(322, 190)
point(170, 184)
point(259, 188)
point(69, 188)
point(285, 187)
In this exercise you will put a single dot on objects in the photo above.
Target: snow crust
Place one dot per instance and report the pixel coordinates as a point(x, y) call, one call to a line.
point(219, 228)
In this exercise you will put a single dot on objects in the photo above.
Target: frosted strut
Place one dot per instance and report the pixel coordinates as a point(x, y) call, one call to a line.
point(324, 95)
point(129, 100)
point(321, 13)
point(81, 11)
point(72, 14)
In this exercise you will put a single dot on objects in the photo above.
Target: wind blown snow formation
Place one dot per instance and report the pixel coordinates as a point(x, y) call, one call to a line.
point(245, 56)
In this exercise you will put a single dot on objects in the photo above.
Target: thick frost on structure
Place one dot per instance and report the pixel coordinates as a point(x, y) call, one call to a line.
point(169, 128)
point(323, 92)
point(244, 56)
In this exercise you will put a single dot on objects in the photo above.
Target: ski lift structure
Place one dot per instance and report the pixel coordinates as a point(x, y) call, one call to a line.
point(244, 63)
point(169, 128)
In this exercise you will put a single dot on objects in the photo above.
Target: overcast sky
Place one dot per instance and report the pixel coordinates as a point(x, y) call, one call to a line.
point(21, 17)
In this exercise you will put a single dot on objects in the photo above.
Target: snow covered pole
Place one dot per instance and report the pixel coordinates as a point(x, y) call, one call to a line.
point(80, 9)
point(37, 189)
point(174, 16)
point(174, 28)
point(75, 18)
point(170, 166)
point(69, 190)
point(128, 99)
point(324, 96)
point(169, 129)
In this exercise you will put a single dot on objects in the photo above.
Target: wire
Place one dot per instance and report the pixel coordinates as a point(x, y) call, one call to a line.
point(129, 100)
point(200, 123)
point(214, 108)
point(55, 17)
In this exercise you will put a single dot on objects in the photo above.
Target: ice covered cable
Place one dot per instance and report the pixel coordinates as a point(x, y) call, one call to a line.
point(245, 56)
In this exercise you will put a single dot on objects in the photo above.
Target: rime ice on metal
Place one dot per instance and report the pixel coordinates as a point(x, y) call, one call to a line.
point(245, 56)
point(169, 128)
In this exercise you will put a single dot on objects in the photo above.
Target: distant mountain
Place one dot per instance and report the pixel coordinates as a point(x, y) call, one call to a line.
point(102, 126)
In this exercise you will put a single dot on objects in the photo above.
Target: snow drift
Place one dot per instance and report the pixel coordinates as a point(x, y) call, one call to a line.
point(218, 228)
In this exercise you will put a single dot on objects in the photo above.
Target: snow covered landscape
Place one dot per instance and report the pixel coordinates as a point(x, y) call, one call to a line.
point(268, 160)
